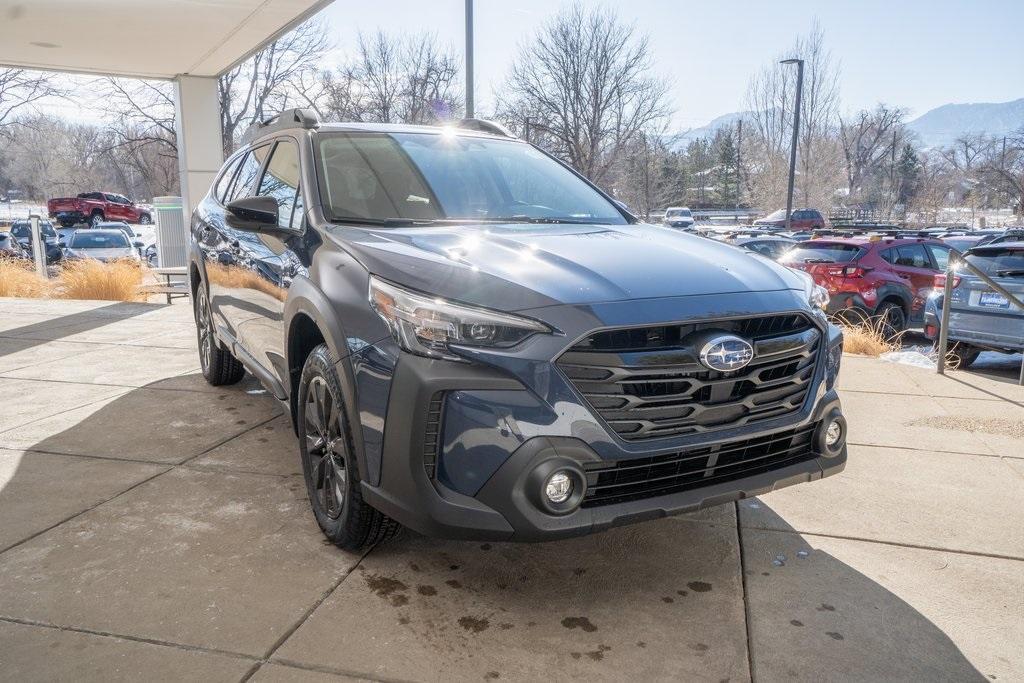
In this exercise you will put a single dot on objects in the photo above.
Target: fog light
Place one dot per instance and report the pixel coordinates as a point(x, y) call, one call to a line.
point(559, 487)
point(833, 433)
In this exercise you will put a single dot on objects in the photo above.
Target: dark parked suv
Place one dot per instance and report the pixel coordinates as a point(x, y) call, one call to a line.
point(475, 342)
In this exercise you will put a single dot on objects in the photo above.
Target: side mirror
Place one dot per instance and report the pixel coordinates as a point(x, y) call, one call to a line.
point(253, 213)
point(138, 245)
point(62, 244)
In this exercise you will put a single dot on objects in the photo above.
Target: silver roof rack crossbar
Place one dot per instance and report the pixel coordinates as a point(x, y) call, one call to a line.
point(289, 118)
point(485, 126)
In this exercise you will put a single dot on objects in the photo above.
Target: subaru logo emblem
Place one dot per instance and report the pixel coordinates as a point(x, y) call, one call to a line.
point(726, 353)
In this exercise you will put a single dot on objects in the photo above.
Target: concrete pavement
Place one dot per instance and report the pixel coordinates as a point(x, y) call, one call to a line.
point(156, 527)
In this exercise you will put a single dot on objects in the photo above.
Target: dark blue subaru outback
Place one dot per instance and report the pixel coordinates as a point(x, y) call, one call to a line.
point(475, 342)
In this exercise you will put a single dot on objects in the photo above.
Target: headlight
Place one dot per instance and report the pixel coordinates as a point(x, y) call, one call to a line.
point(817, 296)
point(427, 325)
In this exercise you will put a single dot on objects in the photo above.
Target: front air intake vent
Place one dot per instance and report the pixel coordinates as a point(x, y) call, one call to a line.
point(432, 434)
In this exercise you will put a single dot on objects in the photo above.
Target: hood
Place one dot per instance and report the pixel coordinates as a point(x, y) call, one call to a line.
point(102, 254)
point(515, 267)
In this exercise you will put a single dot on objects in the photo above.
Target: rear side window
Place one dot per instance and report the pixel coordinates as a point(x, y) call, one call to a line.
point(940, 254)
point(226, 176)
point(998, 262)
point(824, 252)
point(912, 256)
point(281, 180)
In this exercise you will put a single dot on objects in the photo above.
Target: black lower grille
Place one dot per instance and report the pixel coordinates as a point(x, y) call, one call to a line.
point(648, 383)
point(432, 434)
point(625, 480)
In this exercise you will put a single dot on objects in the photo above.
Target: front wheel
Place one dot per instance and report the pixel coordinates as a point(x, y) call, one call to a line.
point(328, 463)
point(95, 219)
point(144, 219)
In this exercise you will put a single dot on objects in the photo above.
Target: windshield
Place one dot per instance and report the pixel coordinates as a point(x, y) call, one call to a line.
point(779, 215)
point(439, 177)
point(23, 231)
point(961, 243)
point(998, 262)
point(823, 253)
point(675, 213)
point(99, 240)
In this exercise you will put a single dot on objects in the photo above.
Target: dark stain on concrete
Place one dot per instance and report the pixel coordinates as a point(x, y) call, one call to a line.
point(598, 654)
point(491, 675)
point(683, 593)
point(825, 607)
point(485, 546)
point(575, 655)
point(700, 647)
point(579, 571)
point(796, 622)
point(667, 599)
point(403, 620)
point(426, 590)
point(453, 567)
point(263, 439)
point(506, 626)
point(413, 566)
point(453, 583)
point(579, 622)
point(388, 588)
point(766, 573)
point(474, 624)
point(699, 586)
point(641, 643)
point(834, 635)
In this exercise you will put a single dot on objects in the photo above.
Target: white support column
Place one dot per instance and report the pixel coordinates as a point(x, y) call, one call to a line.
point(200, 151)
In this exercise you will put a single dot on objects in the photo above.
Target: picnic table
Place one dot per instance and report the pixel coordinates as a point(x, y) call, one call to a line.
point(170, 288)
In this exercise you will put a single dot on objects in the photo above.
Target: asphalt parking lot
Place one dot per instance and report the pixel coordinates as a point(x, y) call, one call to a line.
point(156, 527)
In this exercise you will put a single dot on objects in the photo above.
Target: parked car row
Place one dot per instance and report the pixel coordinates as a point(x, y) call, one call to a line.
point(106, 241)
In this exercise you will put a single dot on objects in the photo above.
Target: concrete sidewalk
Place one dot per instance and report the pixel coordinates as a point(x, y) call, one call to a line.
point(156, 527)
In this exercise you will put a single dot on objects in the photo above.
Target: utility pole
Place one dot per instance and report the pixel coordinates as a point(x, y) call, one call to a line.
point(469, 59)
point(892, 176)
point(739, 147)
point(796, 133)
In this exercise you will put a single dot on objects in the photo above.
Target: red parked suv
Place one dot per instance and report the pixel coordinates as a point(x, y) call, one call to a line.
point(883, 278)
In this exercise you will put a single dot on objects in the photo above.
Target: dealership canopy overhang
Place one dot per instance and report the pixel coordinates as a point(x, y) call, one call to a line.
point(188, 41)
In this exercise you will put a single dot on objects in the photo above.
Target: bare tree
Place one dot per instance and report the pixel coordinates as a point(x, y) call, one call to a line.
point(771, 96)
point(395, 79)
point(270, 80)
point(869, 140)
point(585, 81)
point(20, 90)
point(1003, 169)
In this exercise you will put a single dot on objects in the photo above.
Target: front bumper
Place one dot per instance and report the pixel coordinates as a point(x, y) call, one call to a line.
point(462, 445)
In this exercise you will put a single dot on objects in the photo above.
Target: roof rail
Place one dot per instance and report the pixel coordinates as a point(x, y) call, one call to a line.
point(289, 118)
point(485, 126)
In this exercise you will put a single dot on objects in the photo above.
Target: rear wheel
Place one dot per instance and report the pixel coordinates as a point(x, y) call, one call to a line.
point(892, 321)
point(328, 463)
point(960, 355)
point(95, 219)
point(218, 365)
point(144, 219)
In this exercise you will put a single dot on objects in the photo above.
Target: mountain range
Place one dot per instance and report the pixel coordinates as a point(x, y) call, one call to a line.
point(935, 128)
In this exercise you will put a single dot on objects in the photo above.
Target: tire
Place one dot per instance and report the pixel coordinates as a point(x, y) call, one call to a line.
point(328, 462)
point(144, 219)
point(218, 365)
point(960, 355)
point(891, 320)
point(95, 218)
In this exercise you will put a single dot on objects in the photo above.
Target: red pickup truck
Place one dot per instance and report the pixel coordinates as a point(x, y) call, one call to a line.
point(93, 207)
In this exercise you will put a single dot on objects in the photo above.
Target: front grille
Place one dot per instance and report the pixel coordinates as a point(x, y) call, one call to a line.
point(625, 480)
point(432, 434)
point(648, 383)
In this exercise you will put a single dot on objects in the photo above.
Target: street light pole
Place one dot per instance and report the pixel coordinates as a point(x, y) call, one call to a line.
point(469, 59)
point(796, 133)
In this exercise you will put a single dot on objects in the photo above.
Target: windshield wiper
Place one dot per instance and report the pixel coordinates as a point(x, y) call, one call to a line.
point(522, 218)
point(1011, 272)
point(387, 222)
point(818, 260)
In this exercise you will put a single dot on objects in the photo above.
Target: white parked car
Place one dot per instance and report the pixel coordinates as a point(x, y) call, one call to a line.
point(678, 217)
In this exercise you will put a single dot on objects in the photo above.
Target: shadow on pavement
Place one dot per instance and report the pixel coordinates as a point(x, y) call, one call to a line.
point(74, 323)
point(666, 595)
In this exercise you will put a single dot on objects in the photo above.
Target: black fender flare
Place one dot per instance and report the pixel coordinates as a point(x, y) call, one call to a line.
point(305, 298)
point(901, 292)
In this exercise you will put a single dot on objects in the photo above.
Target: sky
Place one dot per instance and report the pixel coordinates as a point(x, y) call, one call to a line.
point(917, 54)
